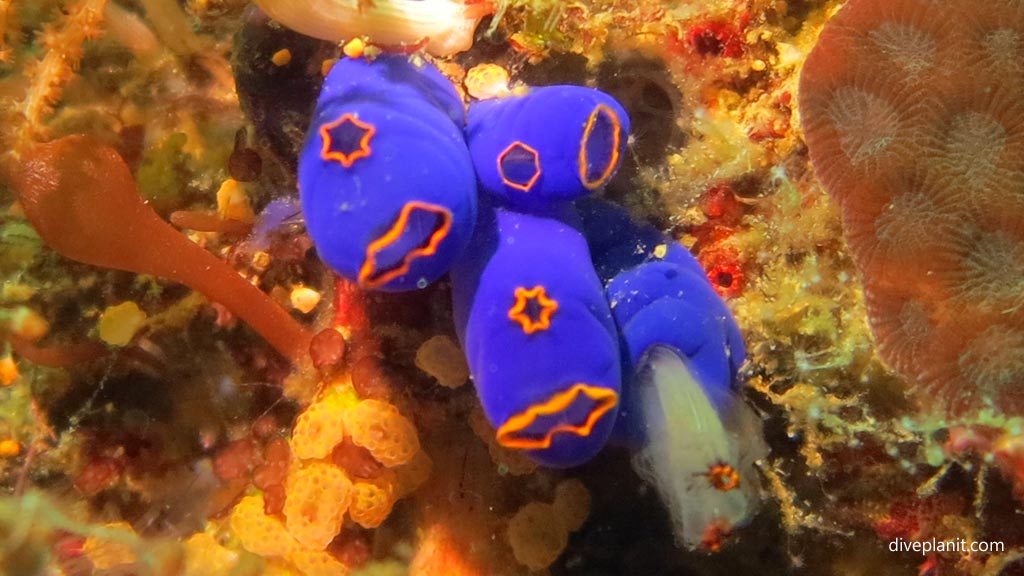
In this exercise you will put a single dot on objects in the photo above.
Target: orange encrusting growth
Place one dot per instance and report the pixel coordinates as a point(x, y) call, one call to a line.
point(81, 198)
point(914, 118)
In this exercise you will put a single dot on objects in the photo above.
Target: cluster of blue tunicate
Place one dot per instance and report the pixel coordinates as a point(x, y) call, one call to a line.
point(558, 298)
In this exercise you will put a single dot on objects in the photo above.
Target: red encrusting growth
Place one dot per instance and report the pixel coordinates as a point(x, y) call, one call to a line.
point(914, 119)
point(81, 198)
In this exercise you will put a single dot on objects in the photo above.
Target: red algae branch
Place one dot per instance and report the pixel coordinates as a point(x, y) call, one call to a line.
point(81, 198)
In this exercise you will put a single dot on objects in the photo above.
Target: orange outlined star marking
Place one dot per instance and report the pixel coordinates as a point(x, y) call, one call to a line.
point(347, 158)
point(510, 434)
point(520, 152)
point(521, 310)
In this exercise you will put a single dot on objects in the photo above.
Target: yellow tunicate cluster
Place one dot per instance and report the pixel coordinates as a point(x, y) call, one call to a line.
point(372, 500)
point(537, 535)
point(383, 431)
point(317, 563)
point(318, 430)
point(487, 81)
point(204, 555)
point(318, 496)
point(260, 534)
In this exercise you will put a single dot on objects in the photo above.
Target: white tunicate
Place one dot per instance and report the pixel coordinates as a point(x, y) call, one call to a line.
point(687, 436)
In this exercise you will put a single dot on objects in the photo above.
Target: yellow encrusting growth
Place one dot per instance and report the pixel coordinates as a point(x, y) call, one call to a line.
point(204, 555)
point(119, 324)
point(259, 533)
point(318, 496)
point(372, 500)
point(317, 430)
point(379, 427)
point(317, 563)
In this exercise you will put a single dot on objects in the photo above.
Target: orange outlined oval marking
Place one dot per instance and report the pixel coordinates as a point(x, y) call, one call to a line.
point(584, 157)
point(514, 432)
point(520, 311)
point(347, 159)
point(519, 153)
point(371, 277)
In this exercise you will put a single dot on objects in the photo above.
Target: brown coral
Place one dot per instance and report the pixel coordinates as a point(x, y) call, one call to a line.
point(914, 118)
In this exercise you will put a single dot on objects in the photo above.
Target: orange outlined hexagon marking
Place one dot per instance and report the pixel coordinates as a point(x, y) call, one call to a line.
point(346, 159)
point(519, 313)
point(522, 147)
point(604, 400)
point(584, 160)
point(367, 278)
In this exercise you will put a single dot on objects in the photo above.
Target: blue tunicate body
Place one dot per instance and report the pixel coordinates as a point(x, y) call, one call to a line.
point(550, 145)
point(386, 183)
point(558, 356)
point(660, 296)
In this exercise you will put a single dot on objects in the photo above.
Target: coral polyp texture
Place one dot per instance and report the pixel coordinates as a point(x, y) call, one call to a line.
point(914, 117)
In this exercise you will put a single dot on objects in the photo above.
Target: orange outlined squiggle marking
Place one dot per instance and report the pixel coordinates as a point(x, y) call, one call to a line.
point(605, 399)
point(367, 278)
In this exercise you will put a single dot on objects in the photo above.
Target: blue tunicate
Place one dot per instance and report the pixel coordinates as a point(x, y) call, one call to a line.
point(538, 335)
point(693, 438)
point(550, 145)
point(386, 183)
